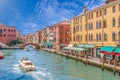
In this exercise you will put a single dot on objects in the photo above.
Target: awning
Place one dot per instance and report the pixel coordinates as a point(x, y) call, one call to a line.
point(74, 48)
point(117, 51)
point(80, 45)
point(67, 48)
point(107, 48)
point(77, 49)
point(49, 44)
point(89, 46)
point(70, 45)
point(85, 46)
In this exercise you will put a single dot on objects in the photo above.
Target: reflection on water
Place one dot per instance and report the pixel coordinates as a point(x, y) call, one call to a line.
point(49, 67)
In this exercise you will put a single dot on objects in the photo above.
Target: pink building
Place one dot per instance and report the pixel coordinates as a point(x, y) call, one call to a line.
point(7, 34)
point(61, 35)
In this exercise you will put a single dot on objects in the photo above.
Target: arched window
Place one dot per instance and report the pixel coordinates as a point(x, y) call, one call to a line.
point(113, 36)
point(105, 37)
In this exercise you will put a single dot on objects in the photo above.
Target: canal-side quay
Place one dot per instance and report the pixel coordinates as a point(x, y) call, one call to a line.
point(91, 61)
point(49, 67)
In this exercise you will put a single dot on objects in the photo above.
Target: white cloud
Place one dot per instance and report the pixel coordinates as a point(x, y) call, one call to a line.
point(48, 12)
point(29, 25)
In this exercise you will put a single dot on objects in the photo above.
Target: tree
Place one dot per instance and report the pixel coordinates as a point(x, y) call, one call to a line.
point(14, 42)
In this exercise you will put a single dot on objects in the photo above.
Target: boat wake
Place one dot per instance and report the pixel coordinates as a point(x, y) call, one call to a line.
point(16, 68)
point(40, 74)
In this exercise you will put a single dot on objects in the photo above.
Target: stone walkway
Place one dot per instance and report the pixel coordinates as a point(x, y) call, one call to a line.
point(92, 61)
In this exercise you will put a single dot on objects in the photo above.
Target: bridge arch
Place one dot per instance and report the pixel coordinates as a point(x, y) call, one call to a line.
point(33, 44)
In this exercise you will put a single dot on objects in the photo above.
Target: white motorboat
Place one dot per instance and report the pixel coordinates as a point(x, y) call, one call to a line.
point(26, 65)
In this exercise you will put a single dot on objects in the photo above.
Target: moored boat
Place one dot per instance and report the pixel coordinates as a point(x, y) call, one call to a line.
point(26, 65)
point(1, 55)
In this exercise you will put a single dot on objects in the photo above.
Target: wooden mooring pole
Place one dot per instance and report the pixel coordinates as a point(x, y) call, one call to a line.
point(103, 62)
point(114, 68)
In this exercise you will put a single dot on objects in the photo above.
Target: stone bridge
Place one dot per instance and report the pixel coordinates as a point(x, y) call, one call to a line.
point(37, 46)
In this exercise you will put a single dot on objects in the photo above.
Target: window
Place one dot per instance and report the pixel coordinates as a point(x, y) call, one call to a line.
point(113, 9)
point(73, 38)
point(92, 16)
point(60, 40)
point(81, 38)
point(104, 24)
point(100, 13)
point(99, 37)
point(86, 38)
point(99, 24)
point(4, 35)
point(119, 7)
point(89, 37)
point(8, 30)
point(119, 21)
point(105, 37)
point(81, 28)
point(0, 30)
point(105, 11)
point(113, 22)
point(96, 14)
point(85, 26)
point(113, 36)
point(91, 26)
point(0, 35)
point(92, 36)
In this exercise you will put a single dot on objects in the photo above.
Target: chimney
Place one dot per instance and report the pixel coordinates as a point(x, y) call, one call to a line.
point(84, 9)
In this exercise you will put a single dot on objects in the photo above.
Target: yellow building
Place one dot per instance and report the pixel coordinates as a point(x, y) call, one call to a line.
point(99, 26)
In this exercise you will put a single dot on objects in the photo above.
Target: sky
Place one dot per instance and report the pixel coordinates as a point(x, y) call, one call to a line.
point(29, 16)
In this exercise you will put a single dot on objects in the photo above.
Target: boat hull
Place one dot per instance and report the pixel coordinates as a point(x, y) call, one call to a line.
point(26, 68)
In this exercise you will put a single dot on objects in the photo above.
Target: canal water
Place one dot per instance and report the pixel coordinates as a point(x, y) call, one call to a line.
point(49, 67)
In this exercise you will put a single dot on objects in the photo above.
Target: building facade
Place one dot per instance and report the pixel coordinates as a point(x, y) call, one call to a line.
point(99, 26)
point(61, 35)
point(18, 36)
point(7, 34)
point(23, 39)
point(29, 38)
